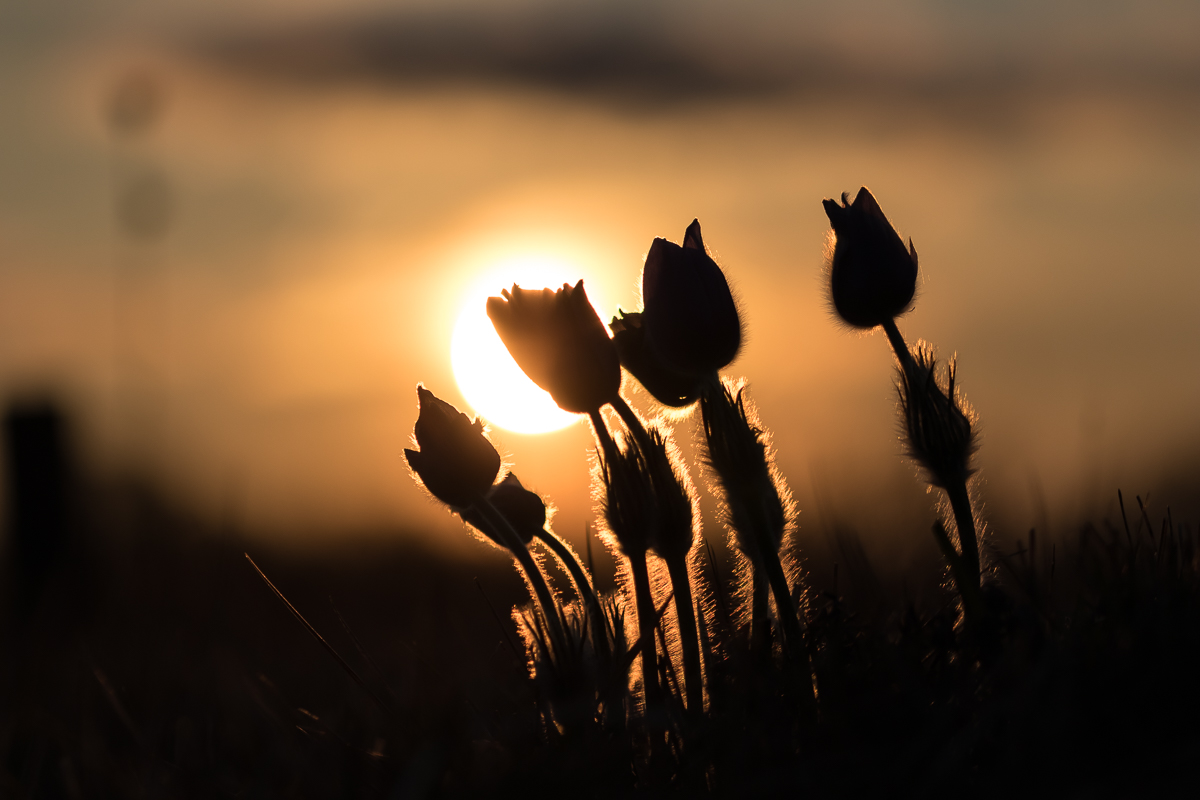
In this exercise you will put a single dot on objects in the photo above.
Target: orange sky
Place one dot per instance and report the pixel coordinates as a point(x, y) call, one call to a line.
point(322, 239)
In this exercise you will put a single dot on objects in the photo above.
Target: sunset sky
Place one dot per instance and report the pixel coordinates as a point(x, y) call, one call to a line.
point(339, 177)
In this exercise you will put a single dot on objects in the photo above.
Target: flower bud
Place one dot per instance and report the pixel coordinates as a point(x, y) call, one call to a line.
point(756, 500)
point(690, 326)
point(873, 276)
point(669, 387)
point(560, 343)
point(677, 532)
point(630, 507)
point(523, 510)
point(937, 421)
point(456, 462)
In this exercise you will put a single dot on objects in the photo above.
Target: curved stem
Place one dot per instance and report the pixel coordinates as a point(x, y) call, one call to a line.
point(550, 610)
point(689, 641)
point(583, 587)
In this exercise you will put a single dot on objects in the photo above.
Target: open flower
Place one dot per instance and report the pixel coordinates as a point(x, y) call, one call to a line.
point(689, 328)
point(560, 343)
point(873, 276)
point(456, 462)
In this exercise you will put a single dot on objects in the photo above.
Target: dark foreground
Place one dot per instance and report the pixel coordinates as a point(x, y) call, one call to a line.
point(158, 664)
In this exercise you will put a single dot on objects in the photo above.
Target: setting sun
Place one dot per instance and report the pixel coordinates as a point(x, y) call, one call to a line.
point(488, 377)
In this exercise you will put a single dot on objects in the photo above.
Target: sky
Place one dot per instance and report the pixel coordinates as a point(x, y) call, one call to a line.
point(237, 292)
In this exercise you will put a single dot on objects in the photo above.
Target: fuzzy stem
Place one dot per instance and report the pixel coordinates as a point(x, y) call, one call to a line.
point(550, 610)
point(645, 615)
point(968, 592)
point(789, 619)
point(583, 587)
point(901, 349)
point(964, 520)
point(608, 448)
point(635, 426)
point(760, 616)
point(689, 641)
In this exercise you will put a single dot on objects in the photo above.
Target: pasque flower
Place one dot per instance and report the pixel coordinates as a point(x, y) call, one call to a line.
point(873, 276)
point(937, 421)
point(560, 343)
point(689, 327)
point(669, 386)
point(456, 462)
point(522, 509)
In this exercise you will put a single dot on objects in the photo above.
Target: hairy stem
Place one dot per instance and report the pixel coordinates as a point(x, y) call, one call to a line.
point(789, 619)
point(901, 349)
point(964, 520)
point(608, 448)
point(533, 576)
point(635, 426)
point(646, 616)
point(583, 587)
point(760, 616)
point(689, 641)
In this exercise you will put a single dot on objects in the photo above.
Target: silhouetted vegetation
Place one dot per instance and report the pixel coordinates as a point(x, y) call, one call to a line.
point(161, 665)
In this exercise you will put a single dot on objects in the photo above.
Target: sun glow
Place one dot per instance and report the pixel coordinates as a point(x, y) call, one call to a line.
point(489, 379)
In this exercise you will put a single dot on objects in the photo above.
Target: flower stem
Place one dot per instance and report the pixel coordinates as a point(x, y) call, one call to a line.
point(635, 426)
point(550, 609)
point(789, 618)
point(608, 448)
point(583, 587)
point(689, 641)
point(964, 520)
point(646, 618)
point(901, 349)
point(760, 614)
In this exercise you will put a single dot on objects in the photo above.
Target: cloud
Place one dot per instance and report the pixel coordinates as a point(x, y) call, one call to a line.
point(669, 52)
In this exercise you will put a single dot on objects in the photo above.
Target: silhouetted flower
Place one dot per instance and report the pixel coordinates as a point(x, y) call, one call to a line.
point(523, 510)
point(560, 343)
point(668, 386)
point(689, 327)
point(456, 462)
point(873, 276)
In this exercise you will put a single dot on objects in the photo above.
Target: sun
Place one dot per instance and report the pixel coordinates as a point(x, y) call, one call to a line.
point(489, 379)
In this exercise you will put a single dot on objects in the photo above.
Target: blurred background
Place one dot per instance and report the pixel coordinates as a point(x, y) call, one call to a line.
point(234, 236)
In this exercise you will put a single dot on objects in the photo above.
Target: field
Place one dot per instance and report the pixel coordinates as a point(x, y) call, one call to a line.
point(158, 664)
